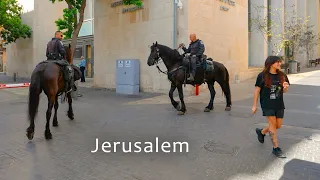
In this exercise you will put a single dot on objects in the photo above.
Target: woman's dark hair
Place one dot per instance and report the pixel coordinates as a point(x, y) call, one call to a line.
point(266, 75)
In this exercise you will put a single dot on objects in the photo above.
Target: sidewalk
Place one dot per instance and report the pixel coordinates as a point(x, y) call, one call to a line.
point(239, 91)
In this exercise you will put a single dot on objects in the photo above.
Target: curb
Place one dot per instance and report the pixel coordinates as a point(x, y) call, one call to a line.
point(4, 86)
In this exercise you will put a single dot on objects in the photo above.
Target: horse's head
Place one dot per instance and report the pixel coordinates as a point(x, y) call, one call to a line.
point(154, 54)
point(68, 53)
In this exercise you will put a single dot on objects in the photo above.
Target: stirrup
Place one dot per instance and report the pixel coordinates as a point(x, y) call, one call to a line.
point(190, 79)
point(69, 91)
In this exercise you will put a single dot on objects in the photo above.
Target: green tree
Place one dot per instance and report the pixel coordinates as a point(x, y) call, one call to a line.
point(11, 26)
point(309, 40)
point(282, 33)
point(72, 20)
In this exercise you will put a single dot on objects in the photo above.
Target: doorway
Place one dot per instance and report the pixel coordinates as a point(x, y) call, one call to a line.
point(89, 62)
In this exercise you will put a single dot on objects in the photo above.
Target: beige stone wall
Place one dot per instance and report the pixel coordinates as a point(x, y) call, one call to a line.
point(23, 55)
point(128, 36)
point(225, 33)
point(3, 59)
point(312, 10)
point(20, 53)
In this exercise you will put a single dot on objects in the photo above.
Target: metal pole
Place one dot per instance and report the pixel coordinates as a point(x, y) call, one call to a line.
point(14, 77)
point(174, 24)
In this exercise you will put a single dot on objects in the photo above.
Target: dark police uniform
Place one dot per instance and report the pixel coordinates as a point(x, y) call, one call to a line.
point(55, 50)
point(196, 50)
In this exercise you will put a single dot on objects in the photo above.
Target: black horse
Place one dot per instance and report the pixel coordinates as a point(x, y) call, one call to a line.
point(208, 71)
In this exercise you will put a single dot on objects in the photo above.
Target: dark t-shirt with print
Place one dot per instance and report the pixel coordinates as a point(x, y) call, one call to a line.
point(271, 98)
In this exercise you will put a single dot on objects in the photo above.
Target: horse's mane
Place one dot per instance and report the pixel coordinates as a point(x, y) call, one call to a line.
point(68, 51)
point(174, 53)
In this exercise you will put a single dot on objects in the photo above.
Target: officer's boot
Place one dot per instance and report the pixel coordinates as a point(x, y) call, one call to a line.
point(66, 85)
point(193, 69)
point(72, 85)
point(66, 78)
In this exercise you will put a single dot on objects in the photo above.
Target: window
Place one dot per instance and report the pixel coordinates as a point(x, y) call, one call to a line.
point(87, 25)
point(78, 52)
point(86, 28)
point(88, 11)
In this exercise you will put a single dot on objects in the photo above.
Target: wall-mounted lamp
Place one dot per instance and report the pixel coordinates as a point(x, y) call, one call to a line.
point(179, 3)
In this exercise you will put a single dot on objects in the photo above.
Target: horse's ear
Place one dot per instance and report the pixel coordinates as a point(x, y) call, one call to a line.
point(69, 45)
point(156, 42)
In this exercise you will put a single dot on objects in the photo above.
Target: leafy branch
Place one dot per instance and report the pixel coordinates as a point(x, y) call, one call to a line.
point(11, 26)
point(73, 17)
point(291, 28)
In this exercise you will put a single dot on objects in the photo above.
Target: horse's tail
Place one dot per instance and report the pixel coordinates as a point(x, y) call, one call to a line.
point(226, 85)
point(225, 82)
point(34, 93)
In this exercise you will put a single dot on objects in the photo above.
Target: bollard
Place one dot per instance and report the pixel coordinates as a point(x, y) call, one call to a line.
point(14, 77)
point(197, 90)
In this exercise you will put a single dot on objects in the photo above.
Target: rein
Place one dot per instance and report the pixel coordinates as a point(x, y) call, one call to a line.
point(159, 70)
point(173, 70)
point(166, 72)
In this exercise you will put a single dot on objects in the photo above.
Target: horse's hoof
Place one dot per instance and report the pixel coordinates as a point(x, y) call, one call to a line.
point(30, 135)
point(228, 108)
point(55, 124)
point(207, 109)
point(48, 135)
point(178, 107)
point(71, 116)
point(180, 113)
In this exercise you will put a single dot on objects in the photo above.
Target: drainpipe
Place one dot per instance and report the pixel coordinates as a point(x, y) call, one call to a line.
point(174, 24)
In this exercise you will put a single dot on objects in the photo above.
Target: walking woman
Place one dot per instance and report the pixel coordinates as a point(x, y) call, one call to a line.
point(271, 83)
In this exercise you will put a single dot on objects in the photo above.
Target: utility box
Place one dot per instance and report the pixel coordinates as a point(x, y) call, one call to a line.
point(128, 76)
point(293, 66)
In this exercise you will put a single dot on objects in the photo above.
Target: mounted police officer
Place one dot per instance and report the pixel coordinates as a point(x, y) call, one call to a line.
point(56, 52)
point(55, 48)
point(196, 49)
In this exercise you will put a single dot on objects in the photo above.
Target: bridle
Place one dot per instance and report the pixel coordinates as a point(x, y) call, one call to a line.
point(157, 61)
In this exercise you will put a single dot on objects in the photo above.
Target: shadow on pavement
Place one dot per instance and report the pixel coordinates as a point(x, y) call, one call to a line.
point(297, 169)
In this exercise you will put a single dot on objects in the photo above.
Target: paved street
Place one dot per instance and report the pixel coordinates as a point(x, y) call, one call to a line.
point(222, 145)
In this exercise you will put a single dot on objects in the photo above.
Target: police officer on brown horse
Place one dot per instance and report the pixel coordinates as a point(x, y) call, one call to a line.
point(56, 52)
point(55, 48)
point(196, 49)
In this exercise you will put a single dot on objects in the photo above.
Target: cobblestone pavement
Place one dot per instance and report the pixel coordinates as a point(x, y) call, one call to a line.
point(222, 145)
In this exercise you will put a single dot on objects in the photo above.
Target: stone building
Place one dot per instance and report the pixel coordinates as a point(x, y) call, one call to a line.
point(40, 15)
point(114, 31)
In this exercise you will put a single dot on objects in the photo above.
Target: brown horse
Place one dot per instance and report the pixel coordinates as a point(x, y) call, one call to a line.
point(48, 77)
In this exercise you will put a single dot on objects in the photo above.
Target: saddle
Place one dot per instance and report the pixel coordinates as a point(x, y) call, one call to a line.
point(66, 69)
point(204, 63)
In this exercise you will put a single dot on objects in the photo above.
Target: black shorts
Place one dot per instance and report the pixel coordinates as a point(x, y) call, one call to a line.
point(272, 112)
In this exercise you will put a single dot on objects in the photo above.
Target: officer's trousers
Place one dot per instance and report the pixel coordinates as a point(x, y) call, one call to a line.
point(194, 65)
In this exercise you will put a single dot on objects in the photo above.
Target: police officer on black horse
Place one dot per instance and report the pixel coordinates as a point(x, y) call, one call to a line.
point(56, 52)
point(196, 49)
